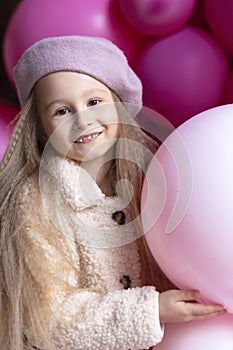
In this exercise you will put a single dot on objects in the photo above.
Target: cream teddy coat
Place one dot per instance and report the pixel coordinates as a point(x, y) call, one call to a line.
point(105, 306)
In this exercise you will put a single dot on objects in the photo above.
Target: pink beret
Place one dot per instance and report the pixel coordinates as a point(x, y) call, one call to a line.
point(97, 57)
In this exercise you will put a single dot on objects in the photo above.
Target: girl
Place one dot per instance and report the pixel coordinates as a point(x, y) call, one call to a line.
point(76, 273)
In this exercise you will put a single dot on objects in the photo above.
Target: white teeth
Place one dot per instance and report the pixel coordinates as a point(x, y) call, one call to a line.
point(90, 137)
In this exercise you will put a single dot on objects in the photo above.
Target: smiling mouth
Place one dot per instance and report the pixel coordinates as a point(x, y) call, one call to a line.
point(88, 138)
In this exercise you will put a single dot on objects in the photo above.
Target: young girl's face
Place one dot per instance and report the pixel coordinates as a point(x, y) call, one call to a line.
point(78, 115)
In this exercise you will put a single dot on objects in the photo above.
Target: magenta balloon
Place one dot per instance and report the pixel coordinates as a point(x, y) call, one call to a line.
point(187, 205)
point(219, 17)
point(182, 74)
point(37, 19)
point(227, 96)
point(209, 334)
point(7, 113)
point(198, 18)
point(157, 17)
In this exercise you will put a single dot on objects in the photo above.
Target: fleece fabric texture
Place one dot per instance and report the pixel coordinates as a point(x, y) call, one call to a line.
point(89, 306)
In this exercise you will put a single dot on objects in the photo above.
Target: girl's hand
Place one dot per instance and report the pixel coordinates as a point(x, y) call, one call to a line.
point(179, 306)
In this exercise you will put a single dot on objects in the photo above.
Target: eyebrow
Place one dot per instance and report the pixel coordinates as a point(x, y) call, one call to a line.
point(57, 100)
point(86, 93)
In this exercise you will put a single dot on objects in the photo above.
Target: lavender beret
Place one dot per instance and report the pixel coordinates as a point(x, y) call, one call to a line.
point(97, 57)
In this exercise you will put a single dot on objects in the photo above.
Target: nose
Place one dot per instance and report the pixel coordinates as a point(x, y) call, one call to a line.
point(80, 120)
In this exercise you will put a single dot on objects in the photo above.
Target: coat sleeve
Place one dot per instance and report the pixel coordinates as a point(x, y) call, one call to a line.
point(85, 319)
point(118, 320)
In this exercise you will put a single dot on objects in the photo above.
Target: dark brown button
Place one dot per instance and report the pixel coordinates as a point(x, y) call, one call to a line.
point(126, 281)
point(119, 217)
point(25, 341)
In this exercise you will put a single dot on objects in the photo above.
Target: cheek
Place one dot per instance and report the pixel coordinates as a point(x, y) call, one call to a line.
point(57, 129)
point(107, 114)
point(112, 124)
point(114, 131)
point(58, 134)
point(46, 126)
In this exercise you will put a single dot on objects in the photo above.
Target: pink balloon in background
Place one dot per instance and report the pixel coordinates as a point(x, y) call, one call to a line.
point(198, 18)
point(182, 74)
point(219, 17)
point(209, 334)
point(157, 17)
point(7, 113)
point(187, 203)
point(37, 19)
point(227, 95)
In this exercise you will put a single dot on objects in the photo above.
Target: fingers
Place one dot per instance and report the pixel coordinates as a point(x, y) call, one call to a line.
point(201, 309)
point(193, 311)
point(202, 315)
point(182, 306)
point(212, 314)
point(187, 295)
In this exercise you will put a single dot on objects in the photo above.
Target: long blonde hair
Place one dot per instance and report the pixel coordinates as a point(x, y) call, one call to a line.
point(22, 159)
point(141, 150)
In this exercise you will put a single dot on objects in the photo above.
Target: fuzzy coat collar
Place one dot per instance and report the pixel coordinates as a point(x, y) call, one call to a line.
point(78, 207)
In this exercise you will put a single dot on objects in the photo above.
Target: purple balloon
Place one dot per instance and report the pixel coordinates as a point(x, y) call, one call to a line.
point(157, 17)
point(183, 74)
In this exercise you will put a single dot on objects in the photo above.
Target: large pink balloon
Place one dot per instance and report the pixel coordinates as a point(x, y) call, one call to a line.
point(187, 205)
point(210, 334)
point(7, 113)
point(183, 74)
point(219, 17)
point(157, 17)
point(37, 19)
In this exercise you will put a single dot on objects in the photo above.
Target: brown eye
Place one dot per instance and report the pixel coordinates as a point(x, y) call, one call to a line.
point(62, 111)
point(93, 102)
